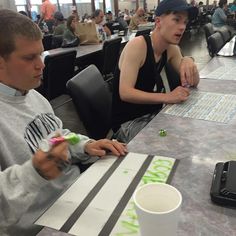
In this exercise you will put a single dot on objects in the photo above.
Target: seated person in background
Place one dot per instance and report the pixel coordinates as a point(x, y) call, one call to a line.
point(32, 179)
point(200, 8)
point(59, 25)
point(23, 13)
point(212, 7)
point(75, 13)
point(137, 19)
point(127, 15)
point(219, 17)
point(233, 8)
point(70, 33)
point(138, 91)
point(109, 21)
point(122, 23)
point(109, 17)
point(98, 18)
point(86, 18)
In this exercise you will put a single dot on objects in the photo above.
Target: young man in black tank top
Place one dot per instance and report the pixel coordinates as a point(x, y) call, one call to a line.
point(137, 90)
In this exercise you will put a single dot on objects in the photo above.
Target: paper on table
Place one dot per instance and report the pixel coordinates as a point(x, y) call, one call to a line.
point(205, 106)
point(228, 49)
point(107, 198)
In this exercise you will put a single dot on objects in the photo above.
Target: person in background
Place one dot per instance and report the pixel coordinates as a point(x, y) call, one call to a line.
point(70, 33)
point(193, 3)
point(109, 17)
point(34, 16)
point(127, 15)
point(200, 8)
point(219, 17)
point(213, 7)
point(59, 24)
point(138, 90)
point(86, 18)
point(233, 8)
point(23, 13)
point(75, 13)
point(110, 23)
point(32, 178)
point(47, 11)
point(98, 18)
point(137, 19)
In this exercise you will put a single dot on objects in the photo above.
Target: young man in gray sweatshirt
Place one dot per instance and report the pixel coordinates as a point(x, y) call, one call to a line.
point(31, 179)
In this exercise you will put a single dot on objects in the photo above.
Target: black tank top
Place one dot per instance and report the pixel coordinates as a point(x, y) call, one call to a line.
point(148, 77)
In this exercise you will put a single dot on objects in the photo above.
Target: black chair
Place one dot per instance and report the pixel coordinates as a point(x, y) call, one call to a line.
point(57, 41)
point(93, 101)
point(59, 68)
point(209, 30)
point(143, 32)
point(215, 43)
point(111, 54)
point(47, 41)
point(225, 33)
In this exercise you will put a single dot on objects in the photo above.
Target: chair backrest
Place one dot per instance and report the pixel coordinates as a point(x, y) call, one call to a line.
point(57, 41)
point(225, 33)
point(47, 41)
point(93, 101)
point(59, 68)
point(143, 32)
point(209, 30)
point(111, 54)
point(215, 43)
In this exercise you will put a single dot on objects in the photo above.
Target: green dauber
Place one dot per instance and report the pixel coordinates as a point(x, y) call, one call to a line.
point(71, 138)
point(162, 132)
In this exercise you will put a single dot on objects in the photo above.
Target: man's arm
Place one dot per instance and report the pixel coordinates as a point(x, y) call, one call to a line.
point(21, 184)
point(131, 60)
point(185, 66)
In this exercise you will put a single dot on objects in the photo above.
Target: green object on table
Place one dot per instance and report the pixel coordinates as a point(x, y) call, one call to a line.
point(162, 132)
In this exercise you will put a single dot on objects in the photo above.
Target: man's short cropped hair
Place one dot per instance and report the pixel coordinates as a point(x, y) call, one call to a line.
point(13, 24)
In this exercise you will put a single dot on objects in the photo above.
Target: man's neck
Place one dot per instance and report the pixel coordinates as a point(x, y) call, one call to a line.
point(158, 44)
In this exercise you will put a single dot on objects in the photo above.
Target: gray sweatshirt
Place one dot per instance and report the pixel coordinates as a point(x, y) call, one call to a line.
point(24, 194)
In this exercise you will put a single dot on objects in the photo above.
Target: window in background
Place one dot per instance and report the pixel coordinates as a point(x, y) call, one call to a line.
point(20, 8)
point(20, 2)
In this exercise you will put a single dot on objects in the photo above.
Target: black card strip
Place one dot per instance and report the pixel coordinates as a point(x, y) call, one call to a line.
point(83, 205)
point(106, 230)
point(172, 172)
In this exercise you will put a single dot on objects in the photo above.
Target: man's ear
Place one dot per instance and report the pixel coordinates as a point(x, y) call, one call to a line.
point(158, 21)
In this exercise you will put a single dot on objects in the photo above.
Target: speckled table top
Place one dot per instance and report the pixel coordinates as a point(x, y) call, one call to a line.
point(199, 145)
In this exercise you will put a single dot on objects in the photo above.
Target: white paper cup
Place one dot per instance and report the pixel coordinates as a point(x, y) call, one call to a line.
point(158, 209)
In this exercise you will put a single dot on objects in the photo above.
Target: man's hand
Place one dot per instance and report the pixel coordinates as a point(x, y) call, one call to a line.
point(179, 94)
point(50, 164)
point(188, 72)
point(102, 146)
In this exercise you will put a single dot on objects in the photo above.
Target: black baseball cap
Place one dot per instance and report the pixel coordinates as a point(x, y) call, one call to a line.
point(176, 5)
point(58, 16)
